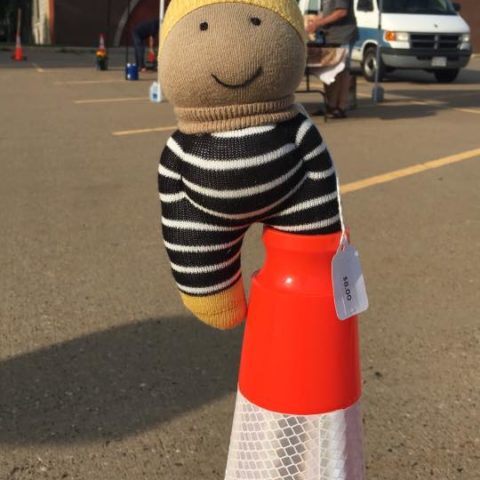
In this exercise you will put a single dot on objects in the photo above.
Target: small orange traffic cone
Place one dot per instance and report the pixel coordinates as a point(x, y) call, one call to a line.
point(101, 54)
point(297, 414)
point(101, 44)
point(18, 55)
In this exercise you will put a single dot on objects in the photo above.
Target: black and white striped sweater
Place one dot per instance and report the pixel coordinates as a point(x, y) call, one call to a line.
point(214, 186)
point(246, 174)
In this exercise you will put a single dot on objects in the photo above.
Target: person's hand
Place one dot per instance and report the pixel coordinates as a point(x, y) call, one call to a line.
point(313, 24)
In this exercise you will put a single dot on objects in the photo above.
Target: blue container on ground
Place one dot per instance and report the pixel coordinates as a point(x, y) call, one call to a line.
point(131, 71)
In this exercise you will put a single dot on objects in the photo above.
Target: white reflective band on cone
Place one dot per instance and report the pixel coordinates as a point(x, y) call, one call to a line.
point(272, 446)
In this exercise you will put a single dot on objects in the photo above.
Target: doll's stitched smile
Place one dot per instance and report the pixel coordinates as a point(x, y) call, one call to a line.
point(239, 85)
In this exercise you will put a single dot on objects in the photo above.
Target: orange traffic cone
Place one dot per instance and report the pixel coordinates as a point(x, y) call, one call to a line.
point(101, 45)
point(297, 414)
point(101, 54)
point(151, 62)
point(18, 55)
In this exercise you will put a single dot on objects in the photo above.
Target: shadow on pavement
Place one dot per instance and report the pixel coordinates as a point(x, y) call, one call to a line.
point(384, 111)
point(398, 103)
point(468, 75)
point(115, 383)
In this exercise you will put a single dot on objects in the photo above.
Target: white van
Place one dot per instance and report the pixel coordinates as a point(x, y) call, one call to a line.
point(414, 34)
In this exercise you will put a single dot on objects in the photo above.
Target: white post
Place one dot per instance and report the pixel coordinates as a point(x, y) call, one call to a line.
point(162, 10)
point(156, 89)
point(378, 92)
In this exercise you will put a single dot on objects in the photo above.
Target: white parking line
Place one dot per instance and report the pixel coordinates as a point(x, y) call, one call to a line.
point(144, 130)
point(38, 68)
point(110, 100)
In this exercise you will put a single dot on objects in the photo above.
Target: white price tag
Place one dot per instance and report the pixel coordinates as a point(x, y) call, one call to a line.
point(348, 283)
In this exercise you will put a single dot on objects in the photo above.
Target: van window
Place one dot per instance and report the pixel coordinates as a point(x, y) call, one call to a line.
point(314, 6)
point(365, 5)
point(428, 7)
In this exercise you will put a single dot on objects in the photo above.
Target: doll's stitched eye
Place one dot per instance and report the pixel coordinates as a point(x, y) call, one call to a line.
point(204, 26)
point(256, 21)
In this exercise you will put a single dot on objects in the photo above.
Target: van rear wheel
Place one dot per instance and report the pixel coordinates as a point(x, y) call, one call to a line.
point(446, 76)
point(369, 65)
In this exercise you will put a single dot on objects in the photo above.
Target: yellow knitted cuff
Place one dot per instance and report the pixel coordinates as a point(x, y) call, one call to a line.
point(288, 9)
point(223, 310)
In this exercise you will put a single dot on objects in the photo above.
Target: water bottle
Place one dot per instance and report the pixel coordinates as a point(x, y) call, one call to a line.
point(155, 93)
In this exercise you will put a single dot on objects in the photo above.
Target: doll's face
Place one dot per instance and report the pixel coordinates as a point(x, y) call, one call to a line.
point(226, 54)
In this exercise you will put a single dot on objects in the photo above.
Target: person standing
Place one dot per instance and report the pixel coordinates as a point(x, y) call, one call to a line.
point(339, 27)
point(140, 34)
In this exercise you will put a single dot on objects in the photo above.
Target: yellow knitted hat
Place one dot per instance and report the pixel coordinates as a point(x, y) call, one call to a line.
point(288, 9)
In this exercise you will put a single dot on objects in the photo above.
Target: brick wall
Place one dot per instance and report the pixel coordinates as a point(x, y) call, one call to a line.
point(471, 13)
point(80, 22)
point(145, 10)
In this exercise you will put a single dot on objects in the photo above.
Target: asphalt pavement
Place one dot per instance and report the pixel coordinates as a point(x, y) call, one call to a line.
point(105, 376)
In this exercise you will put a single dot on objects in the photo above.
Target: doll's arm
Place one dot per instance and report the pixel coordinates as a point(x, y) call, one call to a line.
point(204, 255)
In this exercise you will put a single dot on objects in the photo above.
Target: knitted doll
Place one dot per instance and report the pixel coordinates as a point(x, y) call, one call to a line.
point(243, 151)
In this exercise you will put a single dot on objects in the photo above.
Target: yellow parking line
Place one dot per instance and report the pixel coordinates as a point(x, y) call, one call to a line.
point(110, 100)
point(143, 130)
point(468, 110)
point(405, 172)
point(87, 82)
point(424, 102)
point(413, 100)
